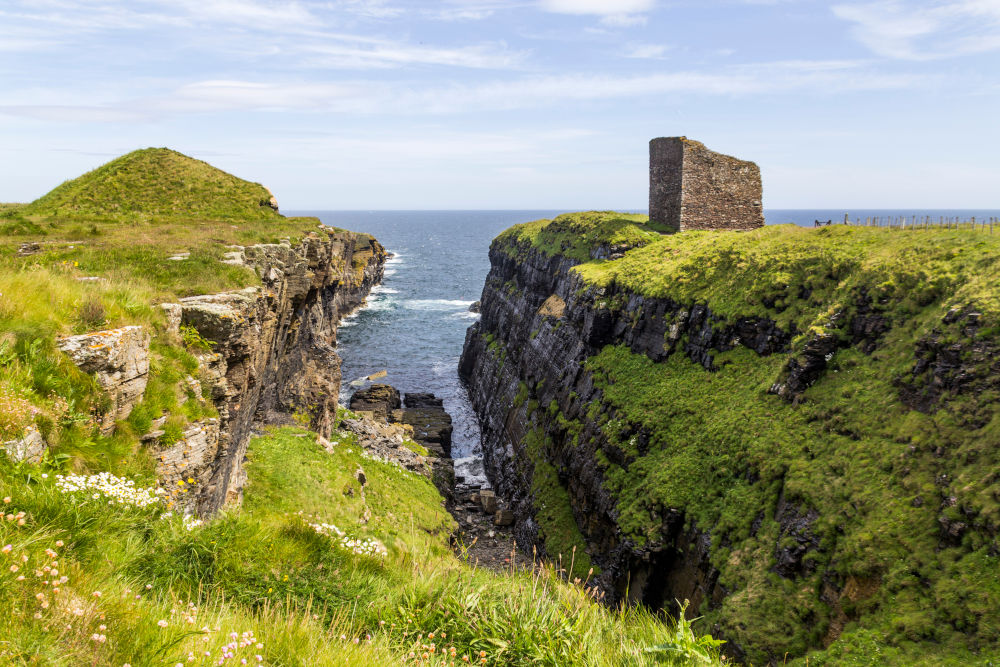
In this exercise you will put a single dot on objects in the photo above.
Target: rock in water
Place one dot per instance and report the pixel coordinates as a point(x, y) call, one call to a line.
point(474, 308)
point(380, 399)
point(432, 426)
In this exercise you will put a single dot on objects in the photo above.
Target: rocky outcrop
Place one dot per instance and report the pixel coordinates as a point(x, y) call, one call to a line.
point(31, 447)
point(379, 399)
point(432, 426)
point(119, 360)
point(272, 357)
point(384, 429)
point(267, 355)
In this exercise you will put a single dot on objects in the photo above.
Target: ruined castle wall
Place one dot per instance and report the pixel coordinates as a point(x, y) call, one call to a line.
point(691, 187)
point(666, 157)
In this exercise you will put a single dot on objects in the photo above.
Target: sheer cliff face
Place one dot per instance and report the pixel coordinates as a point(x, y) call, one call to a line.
point(771, 470)
point(273, 353)
point(524, 365)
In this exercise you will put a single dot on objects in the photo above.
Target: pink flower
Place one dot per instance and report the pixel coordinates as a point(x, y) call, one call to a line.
point(162, 623)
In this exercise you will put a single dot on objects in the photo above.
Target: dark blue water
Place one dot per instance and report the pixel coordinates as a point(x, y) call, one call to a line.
point(413, 325)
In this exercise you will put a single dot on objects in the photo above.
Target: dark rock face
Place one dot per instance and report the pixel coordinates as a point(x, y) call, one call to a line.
point(274, 353)
point(380, 399)
point(543, 348)
point(954, 364)
point(432, 426)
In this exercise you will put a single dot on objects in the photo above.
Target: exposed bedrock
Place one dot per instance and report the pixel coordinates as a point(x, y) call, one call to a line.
point(539, 324)
point(541, 412)
point(273, 357)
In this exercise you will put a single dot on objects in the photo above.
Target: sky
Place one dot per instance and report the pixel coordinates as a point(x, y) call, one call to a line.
point(485, 104)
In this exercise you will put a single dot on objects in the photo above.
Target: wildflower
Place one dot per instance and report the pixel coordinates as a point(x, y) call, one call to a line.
point(149, 586)
point(6, 500)
point(162, 623)
point(14, 568)
point(59, 543)
point(102, 627)
point(38, 615)
point(6, 548)
point(97, 594)
point(100, 639)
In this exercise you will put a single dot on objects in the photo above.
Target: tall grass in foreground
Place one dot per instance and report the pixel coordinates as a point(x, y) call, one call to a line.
point(84, 582)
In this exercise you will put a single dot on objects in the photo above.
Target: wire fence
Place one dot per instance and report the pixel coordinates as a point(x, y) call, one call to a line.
point(917, 222)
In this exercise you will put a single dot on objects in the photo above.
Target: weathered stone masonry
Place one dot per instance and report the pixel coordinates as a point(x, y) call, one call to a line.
point(691, 187)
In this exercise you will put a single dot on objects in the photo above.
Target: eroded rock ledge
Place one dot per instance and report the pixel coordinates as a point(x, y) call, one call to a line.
point(272, 358)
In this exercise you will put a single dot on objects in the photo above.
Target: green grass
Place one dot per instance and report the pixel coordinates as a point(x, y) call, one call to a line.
point(723, 450)
point(153, 182)
point(103, 262)
point(262, 568)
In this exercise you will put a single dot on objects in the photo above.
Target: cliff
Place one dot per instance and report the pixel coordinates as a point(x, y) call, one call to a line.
point(789, 428)
point(272, 359)
point(159, 308)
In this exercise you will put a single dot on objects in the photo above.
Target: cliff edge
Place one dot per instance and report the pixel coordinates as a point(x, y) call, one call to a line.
point(789, 428)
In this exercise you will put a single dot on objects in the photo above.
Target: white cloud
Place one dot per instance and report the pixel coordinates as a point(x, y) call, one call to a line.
point(646, 51)
point(599, 7)
point(940, 29)
point(615, 13)
point(390, 54)
point(401, 98)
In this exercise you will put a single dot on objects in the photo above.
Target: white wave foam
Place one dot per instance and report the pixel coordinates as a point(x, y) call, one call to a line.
point(382, 289)
point(436, 304)
point(464, 316)
point(389, 272)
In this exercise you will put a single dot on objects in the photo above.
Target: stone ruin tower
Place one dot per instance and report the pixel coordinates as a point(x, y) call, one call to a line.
point(691, 187)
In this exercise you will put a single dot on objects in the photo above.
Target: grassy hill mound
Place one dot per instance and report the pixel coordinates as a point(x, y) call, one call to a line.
point(155, 182)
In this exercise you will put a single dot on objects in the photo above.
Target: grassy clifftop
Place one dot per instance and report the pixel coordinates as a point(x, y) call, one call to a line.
point(155, 182)
point(859, 515)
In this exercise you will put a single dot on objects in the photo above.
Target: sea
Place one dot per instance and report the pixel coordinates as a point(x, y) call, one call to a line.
point(413, 325)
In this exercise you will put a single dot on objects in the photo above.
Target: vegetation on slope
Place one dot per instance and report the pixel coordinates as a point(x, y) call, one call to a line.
point(82, 273)
point(170, 590)
point(104, 575)
point(154, 182)
point(900, 505)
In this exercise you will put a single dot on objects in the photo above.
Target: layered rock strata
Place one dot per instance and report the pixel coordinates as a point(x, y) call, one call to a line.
point(119, 360)
point(423, 420)
point(273, 356)
point(267, 356)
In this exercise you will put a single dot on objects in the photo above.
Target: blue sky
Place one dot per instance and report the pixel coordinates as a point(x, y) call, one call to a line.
point(381, 104)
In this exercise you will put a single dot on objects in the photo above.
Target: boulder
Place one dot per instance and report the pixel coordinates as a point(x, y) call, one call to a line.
point(432, 426)
point(475, 307)
point(30, 448)
point(503, 518)
point(380, 399)
point(119, 360)
point(488, 501)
